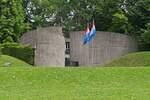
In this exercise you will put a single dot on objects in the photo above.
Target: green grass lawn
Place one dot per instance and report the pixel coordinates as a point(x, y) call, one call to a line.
point(107, 83)
point(18, 81)
point(8, 61)
point(136, 59)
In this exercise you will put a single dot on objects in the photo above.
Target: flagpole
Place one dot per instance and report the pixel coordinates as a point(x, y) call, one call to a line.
point(88, 46)
point(89, 34)
point(92, 54)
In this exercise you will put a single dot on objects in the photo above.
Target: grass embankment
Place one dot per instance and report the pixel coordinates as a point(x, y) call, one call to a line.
point(108, 83)
point(8, 61)
point(132, 60)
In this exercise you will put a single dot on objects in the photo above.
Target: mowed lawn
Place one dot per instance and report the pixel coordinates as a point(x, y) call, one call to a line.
point(107, 83)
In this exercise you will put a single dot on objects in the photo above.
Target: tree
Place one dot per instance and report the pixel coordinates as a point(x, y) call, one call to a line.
point(42, 12)
point(123, 16)
point(120, 24)
point(146, 34)
point(12, 20)
point(138, 13)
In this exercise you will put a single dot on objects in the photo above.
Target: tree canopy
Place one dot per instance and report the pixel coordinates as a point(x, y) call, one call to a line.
point(130, 17)
point(12, 20)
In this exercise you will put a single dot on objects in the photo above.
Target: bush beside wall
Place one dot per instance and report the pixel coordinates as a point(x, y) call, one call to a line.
point(25, 53)
point(0, 51)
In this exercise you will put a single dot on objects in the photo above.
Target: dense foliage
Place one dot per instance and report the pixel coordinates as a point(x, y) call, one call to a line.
point(130, 17)
point(0, 51)
point(123, 16)
point(12, 20)
point(25, 53)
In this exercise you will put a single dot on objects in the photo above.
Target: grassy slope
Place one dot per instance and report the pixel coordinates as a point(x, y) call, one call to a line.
point(13, 62)
point(133, 59)
point(107, 83)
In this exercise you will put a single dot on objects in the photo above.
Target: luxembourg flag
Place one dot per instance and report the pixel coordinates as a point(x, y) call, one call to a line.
point(93, 32)
point(86, 35)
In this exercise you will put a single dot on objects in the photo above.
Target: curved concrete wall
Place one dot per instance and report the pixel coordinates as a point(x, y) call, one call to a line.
point(49, 44)
point(105, 47)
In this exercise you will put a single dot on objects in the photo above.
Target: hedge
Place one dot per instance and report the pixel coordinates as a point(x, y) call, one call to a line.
point(25, 53)
point(0, 51)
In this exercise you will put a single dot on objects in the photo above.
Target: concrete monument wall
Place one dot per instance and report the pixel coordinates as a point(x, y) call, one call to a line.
point(105, 47)
point(49, 44)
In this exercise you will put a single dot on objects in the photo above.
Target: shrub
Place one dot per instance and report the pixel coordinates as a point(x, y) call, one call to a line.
point(25, 53)
point(0, 51)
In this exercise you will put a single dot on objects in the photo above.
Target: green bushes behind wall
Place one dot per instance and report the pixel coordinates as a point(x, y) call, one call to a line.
point(25, 53)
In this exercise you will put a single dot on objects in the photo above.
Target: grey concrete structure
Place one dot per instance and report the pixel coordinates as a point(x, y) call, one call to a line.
point(105, 47)
point(50, 48)
point(49, 44)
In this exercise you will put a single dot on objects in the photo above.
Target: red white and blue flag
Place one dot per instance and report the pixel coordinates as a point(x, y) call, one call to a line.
point(86, 35)
point(89, 35)
point(93, 32)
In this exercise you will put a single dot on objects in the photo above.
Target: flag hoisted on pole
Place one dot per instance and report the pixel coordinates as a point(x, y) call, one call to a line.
point(93, 32)
point(89, 35)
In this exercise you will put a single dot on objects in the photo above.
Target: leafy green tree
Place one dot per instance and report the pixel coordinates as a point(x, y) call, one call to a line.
point(42, 13)
point(12, 20)
point(123, 16)
point(138, 12)
point(120, 24)
point(146, 34)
